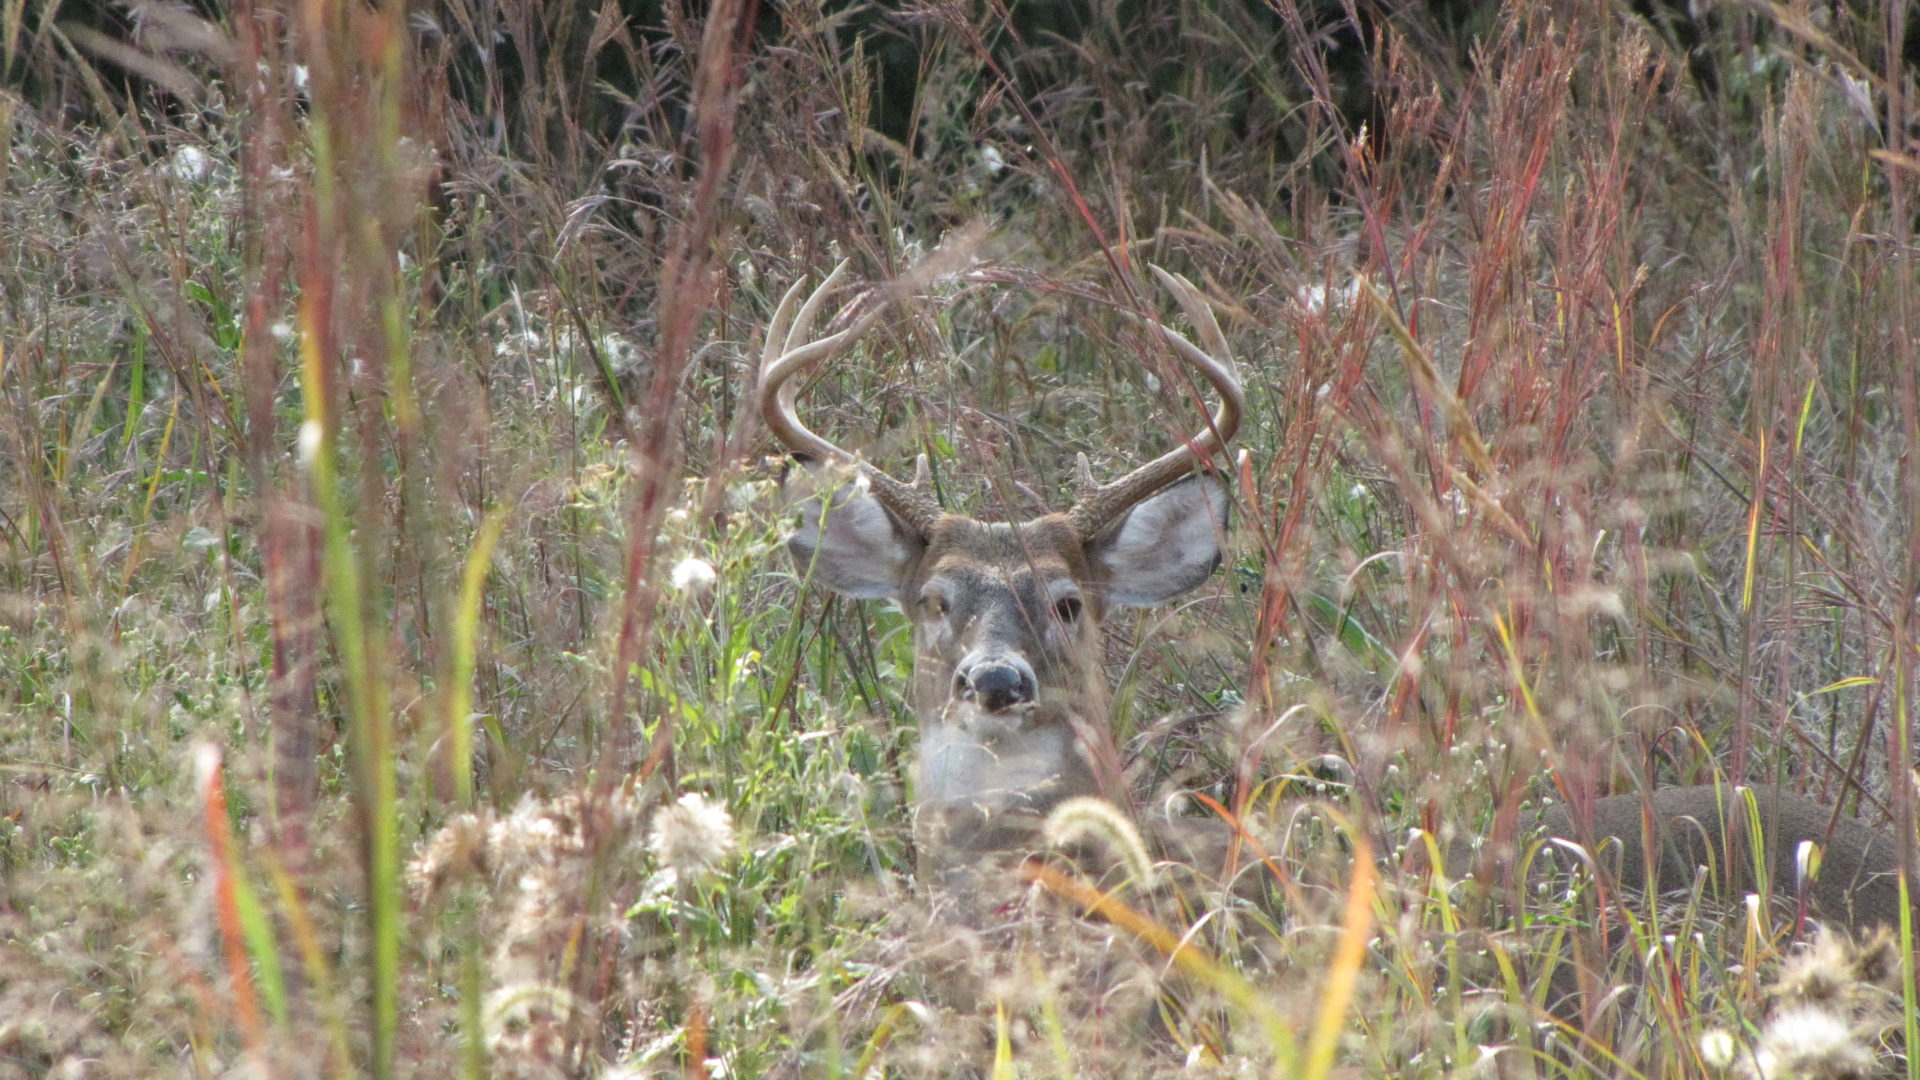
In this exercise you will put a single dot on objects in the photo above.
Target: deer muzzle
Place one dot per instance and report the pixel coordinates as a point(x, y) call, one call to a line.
point(995, 682)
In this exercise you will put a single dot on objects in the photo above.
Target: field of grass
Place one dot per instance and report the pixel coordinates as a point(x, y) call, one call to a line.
point(401, 673)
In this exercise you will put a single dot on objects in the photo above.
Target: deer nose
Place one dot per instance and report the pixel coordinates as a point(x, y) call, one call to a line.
point(996, 684)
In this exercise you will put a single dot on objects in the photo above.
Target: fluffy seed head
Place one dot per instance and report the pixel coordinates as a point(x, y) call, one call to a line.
point(691, 835)
point(693, 575)
point(1812, 1044)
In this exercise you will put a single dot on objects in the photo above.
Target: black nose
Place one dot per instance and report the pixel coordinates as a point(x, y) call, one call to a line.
point(997, 686)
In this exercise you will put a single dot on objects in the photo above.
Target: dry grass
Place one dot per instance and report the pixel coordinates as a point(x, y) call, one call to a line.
point(368, 373)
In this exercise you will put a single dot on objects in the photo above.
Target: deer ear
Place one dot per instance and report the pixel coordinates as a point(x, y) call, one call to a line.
point(851, 544)
point(1165, 545)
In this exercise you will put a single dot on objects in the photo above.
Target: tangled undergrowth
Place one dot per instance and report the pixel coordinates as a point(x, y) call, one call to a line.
point(403, 676)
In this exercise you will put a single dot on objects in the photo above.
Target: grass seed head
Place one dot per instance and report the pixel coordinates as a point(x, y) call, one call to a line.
point(1085, 817)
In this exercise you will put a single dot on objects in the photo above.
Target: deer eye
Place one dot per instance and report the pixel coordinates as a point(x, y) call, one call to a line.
point(933, 603)
point(1068, 609)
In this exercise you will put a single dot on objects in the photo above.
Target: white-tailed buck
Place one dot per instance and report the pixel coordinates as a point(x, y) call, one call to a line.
point(1007, 686)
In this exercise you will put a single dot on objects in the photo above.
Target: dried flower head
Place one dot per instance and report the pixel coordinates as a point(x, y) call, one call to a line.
point(1811, 1044)
point(691, 835)
point(457, 850)
point(1828, 1010)
point(535, 832)
point(1820, 974)
point(1836, 973)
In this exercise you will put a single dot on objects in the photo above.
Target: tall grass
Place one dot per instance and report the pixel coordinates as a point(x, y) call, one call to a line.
point(372, 392)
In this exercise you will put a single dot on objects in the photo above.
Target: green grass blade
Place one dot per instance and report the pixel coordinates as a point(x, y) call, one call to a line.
point(466, 618)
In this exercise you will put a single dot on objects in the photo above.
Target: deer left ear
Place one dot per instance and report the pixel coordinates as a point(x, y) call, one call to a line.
point(851, 544)
point(1165, 546)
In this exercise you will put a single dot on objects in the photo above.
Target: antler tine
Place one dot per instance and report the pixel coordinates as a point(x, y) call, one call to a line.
point(783, 356)
point(1096, 505)
point(787, 352)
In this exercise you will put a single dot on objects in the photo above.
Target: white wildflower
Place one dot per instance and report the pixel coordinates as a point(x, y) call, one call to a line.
point(190, 163)
point(693, 575)
point(691, 835)
point(1717, 1048)
point(312, 437)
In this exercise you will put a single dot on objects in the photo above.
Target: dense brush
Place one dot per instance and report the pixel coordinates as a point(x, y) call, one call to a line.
point(381, 488)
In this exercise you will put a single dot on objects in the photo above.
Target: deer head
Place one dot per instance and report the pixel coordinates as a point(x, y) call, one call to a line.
point(1007, 687)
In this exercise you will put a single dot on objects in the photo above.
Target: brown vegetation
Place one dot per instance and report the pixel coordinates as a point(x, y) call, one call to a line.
point(381, 489)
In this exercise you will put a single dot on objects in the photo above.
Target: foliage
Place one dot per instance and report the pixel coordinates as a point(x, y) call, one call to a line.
point(387, 560)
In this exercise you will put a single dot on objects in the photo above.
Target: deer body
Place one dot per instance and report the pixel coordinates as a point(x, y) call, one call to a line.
point(1857, 886)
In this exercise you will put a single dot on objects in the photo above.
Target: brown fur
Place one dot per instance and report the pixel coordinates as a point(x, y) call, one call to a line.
point(1856, 888)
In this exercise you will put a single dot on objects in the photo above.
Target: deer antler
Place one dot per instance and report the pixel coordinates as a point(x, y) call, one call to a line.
point(1097, 504)
point(788, 352)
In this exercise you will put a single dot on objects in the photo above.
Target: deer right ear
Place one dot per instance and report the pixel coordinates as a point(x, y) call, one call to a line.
point(849, 542)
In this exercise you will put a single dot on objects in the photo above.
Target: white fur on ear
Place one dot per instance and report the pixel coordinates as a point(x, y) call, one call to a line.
point(1165, 545)
point(852, 545)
